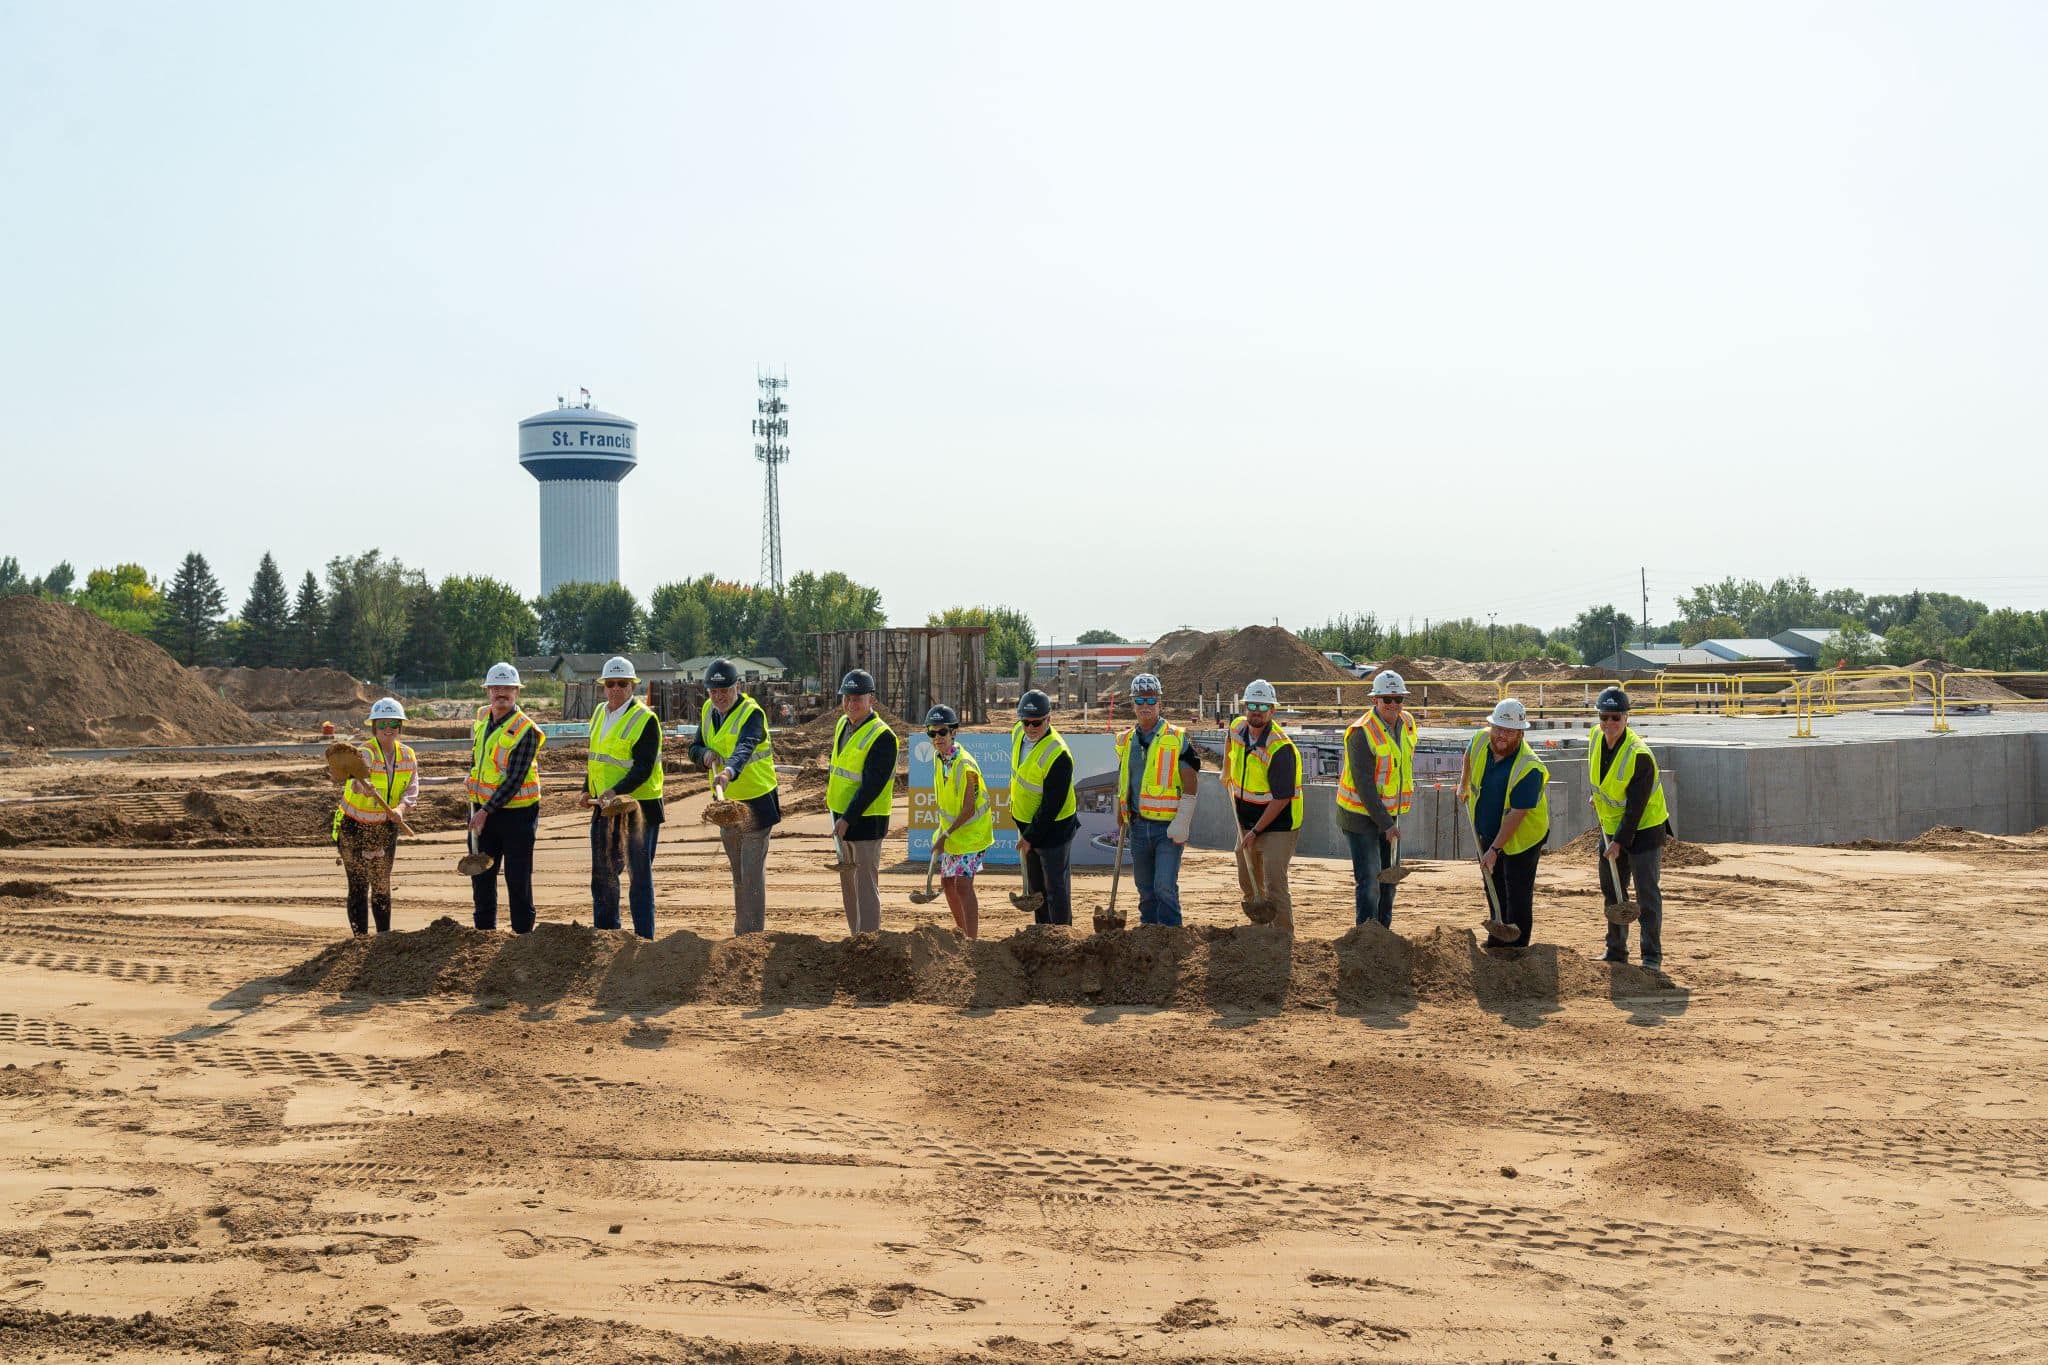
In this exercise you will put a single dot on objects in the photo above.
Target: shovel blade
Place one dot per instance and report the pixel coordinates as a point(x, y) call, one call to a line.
point(473, 865)
point(1028, 902)
point(1394, 876)
point(1503, 931)
point(923, 897)
point(1624, 912)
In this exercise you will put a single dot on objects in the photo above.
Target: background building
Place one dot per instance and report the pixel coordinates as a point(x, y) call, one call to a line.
point(579, 453)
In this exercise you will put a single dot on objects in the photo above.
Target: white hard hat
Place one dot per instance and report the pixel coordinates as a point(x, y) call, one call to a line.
point(502, 675)
point(1388, 683)
point(387, 709)
point(1261, 690)
point(1509, 714)
point(619, 666)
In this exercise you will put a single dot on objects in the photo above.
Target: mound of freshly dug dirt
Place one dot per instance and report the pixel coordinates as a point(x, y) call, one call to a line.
point(1186, 660)
point(1238, 969)
point(32, 893)
point(289, 689)
point(1940, 839)
point(1677, 852)
point(197, 818)
point(69, 678)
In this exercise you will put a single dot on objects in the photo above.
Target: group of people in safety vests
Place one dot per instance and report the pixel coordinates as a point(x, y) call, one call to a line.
point(1501, 787)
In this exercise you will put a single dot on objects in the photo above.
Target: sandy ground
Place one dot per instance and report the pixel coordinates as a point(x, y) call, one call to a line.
point(1826, 1138)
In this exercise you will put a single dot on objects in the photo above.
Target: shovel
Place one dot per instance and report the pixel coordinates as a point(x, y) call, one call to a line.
point(1393, 874)
point(1620, 910)
point(927, 896)
point(839, 859)
point(473, 863)
point(345, 764)
point(1027, 900)
point(1107, 919)
point(1260, 908)
point(1496, 926)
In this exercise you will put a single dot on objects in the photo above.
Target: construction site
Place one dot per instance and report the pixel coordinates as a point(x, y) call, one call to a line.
point(233, 1131)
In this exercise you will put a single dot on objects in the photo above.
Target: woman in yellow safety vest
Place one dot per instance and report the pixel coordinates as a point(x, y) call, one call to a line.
point(365, 832)
point(967, 817)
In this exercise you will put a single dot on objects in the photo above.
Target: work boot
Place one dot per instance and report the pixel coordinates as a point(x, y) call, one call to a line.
point(1621, 958)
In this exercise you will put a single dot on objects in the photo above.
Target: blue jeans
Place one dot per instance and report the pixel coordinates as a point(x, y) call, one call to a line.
point(1370, 853)
point(1155, 871)
point(604, 880)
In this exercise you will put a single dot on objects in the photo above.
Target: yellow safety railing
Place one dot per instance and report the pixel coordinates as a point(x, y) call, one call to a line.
point(1944, 702)
point(1836, 690)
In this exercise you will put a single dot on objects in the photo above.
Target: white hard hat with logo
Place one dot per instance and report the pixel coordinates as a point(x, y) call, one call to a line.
point(1388, 683)
point(1261, 690)
point(387, 709)
point(619, 666)
point(502, 675)
point(1509, 714)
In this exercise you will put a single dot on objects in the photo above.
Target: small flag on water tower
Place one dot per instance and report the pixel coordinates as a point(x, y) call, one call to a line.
point(584, 392)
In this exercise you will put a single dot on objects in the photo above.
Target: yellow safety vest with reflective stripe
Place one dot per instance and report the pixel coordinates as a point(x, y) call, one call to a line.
point(1393, 765)
point(1027, 775)
point(1536, 823)
point(758, 777)
point(489, 753)
point(1159, 785)
point(846, 768)
point(611, 750)
point(1610, 793)
point(1246, 770)
point(390, 774)
point(949, 793)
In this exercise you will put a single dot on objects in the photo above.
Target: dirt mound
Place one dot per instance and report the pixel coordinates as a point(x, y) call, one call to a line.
point(1940, 839)
point(289, 689)
point(197, 818)
point(1960, 686)
point(32, 893)
point(1186, 660)
point(1243, 968)
point(808, 741)
point(69, 678)
point(1677, 852)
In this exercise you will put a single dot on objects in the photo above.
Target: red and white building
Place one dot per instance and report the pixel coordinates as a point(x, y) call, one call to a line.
point(1109, 658)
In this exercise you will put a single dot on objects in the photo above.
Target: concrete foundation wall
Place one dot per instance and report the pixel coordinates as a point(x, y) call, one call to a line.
point(1811, 793)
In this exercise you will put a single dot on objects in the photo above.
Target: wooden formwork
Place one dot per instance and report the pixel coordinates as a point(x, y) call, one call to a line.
point(914, 667)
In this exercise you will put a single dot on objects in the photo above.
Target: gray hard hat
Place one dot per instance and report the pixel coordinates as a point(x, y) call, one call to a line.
point(857, 683)
point(722, 673)
point(1034, 705)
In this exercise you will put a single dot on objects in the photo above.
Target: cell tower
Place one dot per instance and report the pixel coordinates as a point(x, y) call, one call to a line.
point(771, 426)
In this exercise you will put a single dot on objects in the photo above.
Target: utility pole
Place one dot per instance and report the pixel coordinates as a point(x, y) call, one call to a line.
point(1614, 625)
point(1645, 573)
point(1489, 637)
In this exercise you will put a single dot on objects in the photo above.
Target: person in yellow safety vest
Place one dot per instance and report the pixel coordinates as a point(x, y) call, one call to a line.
point(967, 817)
point(733, 745)
point(1262, 772)
point(504, 799)
point(1374, 790)
point(1628, 796)
point(365, 833)
point(1155, 800)
point(625, 764)
point(1043, 808)
point(1502, 784)
point(858, 795)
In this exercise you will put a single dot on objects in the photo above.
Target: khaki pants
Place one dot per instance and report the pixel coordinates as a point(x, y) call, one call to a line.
point(860, 886)
point(1276, 851)
point(747, 854)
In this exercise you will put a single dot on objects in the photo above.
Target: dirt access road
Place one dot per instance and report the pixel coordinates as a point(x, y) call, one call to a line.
point(222, 1136)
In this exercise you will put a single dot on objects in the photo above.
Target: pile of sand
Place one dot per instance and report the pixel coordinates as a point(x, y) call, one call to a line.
point(204, 819)
point(1959, 687)
point(810, 740)
point(1677, 852)
point(289, 689)
point(69, 678)
point(1190, 662)
point(1222, 969)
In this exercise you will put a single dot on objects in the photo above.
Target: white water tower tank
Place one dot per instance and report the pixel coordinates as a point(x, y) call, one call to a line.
point(579, 454)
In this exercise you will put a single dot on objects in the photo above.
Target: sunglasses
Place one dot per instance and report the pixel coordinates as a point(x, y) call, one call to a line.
point(1144, 701)
point(610, 683)
point(1034, 724)
point(1615, 716)
point(939, 733)
point(1256, 708)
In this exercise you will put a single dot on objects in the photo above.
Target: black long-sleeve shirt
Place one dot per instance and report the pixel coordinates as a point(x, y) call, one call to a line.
point(646, 753)
point(1046, 829)
point(515, 766)
point(876, 776)
point(1282, 769)
point(767, 807)
point(1640, 784)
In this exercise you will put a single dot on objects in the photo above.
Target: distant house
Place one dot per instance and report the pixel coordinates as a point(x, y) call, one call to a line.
point(1657, 656)
point(1751, 651)
point(653, 666)
point(751, 670)
point(534, 665)
point(1809, 643)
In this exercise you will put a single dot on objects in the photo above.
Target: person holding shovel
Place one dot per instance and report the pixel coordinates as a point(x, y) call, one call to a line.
point(857, 796)
point(366, 823)
point(504, 799)
point(967, 818)
point(1042, 805)
point(624, 765)
point(733, 745)
point(1628, 796)
point(1262, 773)
point(1502, 784)
point(1158, 775)
point(1380, 742)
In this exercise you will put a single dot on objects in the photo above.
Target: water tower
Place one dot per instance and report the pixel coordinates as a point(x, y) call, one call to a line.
point(579, 453)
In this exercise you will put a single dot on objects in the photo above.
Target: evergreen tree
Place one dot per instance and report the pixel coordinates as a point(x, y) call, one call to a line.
point(424, 655)
point(264, 639)
point(193, 607)
point(308, 625)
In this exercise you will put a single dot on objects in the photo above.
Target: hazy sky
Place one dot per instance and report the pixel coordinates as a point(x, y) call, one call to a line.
point(1133, 316)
